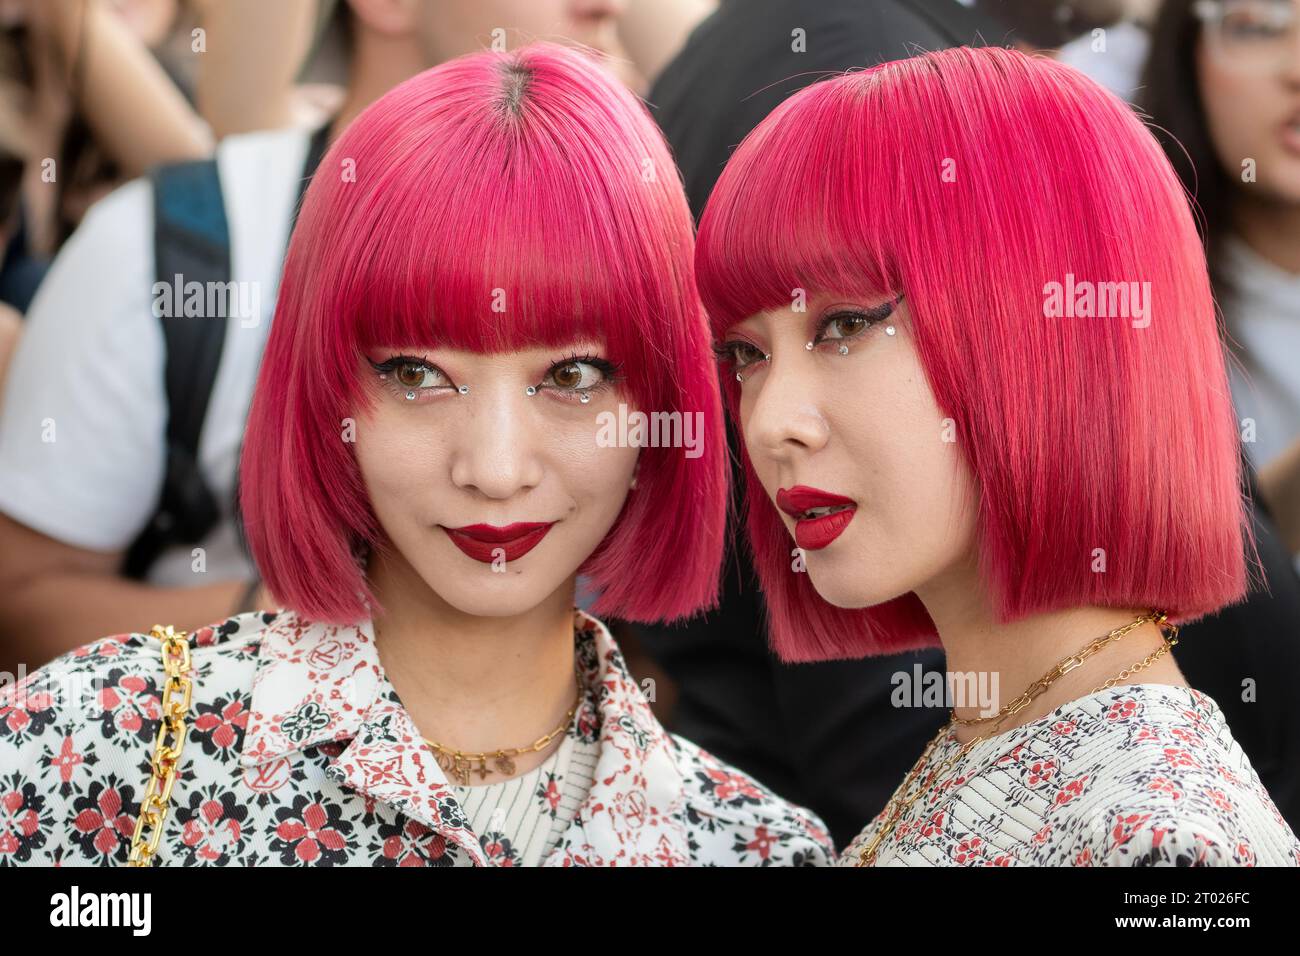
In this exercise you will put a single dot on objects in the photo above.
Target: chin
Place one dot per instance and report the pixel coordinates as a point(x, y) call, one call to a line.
point(842, 585)
point(472, 587)
point(508, 598)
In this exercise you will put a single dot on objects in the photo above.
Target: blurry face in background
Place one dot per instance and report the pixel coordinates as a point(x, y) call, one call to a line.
point(440, 463)
point(1248, 68)
point(449, 28)
point(865, 427)
point(149, 20)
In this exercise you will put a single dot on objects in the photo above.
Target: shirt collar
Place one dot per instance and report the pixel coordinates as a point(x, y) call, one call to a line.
point(323, 684)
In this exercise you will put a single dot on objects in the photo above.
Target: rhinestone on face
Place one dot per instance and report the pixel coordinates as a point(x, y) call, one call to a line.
point(844, 350)
point(531, 390)
point(890, 330)
point(585, 397)
point(463, 389)
point(410, 396)
point(808, 346)
point(738, 378)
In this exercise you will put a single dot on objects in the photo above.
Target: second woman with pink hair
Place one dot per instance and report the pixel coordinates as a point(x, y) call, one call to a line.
point(969, 336)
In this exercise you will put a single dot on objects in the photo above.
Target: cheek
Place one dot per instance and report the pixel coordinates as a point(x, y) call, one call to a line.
point(595, 477)
point(903, 447)
point(1233, 107)
point(394, 456)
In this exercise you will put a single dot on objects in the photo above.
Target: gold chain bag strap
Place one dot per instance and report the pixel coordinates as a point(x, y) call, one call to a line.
point(166, 757)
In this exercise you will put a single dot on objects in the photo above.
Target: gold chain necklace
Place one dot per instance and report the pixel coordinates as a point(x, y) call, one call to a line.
point(1062, 668)
point(893, 811)
point(459, 764)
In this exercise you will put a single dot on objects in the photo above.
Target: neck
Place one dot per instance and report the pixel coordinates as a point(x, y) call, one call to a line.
point(1004, 659)
point(1271, 229)
point(472, 683)
point(379, 63)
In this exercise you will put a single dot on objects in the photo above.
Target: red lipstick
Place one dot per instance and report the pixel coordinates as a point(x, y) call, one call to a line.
point(820, 516)
point(482, 541)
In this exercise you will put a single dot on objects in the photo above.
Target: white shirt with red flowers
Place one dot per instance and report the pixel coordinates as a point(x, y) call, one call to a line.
point(300, 753)
point(1137, 775)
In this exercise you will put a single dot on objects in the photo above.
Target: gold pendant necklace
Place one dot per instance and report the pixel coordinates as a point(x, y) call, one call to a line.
point(460, 765)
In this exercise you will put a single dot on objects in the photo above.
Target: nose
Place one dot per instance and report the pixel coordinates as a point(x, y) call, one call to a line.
point(596, 10)
point(785, 417)
point(496, 451)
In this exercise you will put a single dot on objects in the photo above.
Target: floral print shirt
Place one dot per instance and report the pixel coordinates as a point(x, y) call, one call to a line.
point(1136, 775)
point(299, 753)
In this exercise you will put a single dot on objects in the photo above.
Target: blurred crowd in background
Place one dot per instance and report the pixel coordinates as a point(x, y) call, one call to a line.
point(99, 528)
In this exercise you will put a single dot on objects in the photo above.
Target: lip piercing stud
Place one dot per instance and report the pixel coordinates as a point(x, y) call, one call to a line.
point(890, 330)
point(464, 389)
point(844, 350)
point(410, 396)
point(585, 397)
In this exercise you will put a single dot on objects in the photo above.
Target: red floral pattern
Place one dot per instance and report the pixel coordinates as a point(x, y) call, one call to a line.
point(299, 753)
point(1139, 775)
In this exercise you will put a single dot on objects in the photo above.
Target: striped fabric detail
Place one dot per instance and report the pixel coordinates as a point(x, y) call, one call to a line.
point(521, 820)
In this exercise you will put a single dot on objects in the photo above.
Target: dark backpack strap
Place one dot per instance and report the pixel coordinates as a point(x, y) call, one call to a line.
point(191, 244)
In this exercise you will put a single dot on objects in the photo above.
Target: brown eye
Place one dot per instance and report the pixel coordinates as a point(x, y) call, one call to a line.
point(848, 325)
point(578, 375)
point(410, 375)
point(739, 354)
point(568, 375)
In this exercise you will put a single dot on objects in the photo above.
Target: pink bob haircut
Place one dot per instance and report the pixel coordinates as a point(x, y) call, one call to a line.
point(967, 180)
point(534, 173)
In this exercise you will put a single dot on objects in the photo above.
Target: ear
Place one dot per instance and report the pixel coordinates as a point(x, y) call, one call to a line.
point(388, 17)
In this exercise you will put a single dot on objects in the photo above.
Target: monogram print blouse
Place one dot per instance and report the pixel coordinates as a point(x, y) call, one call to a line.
point(299, 753)
point(1137, 775)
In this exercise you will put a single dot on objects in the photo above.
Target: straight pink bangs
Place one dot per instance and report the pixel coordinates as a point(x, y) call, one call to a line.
point(500, 201)
point(494, 230)
point(968, 180)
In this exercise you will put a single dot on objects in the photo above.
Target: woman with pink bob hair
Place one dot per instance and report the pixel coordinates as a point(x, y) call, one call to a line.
point(491, 277)
point(969, 337)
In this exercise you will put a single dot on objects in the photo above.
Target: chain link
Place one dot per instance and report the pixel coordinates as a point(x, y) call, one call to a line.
point(460, 765)
point(893, 811)
point(166, 757)
point(1061, 668)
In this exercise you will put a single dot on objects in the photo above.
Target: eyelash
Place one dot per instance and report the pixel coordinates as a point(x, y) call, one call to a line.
point(727, 351)
point(385, 369)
